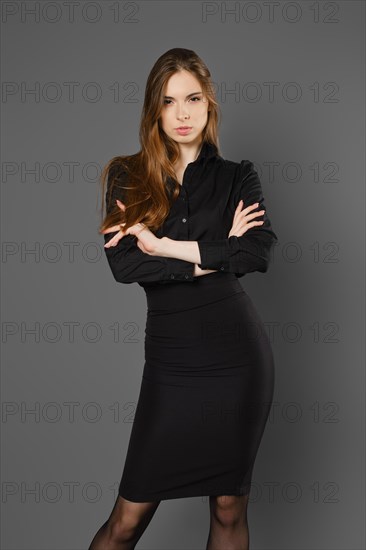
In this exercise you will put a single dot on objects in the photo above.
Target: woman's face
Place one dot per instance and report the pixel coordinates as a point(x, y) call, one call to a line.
point(184, 105)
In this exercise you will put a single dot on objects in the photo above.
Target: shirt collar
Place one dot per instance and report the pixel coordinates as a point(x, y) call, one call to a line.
point(207, 151)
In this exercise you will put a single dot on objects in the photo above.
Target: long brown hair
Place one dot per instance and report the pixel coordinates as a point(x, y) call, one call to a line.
point(146, 172)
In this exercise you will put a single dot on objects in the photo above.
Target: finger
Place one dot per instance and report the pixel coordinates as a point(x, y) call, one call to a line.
point(253, 224)
point(137, 228)
point(244, 215)
point(113, 228)
point(238, 209)
point(240, 204)
point(121, 205)
point(251, 207)
point(110, 243)
point(255, 215)
point(113, 241)
point(241, 230)
point(246, 209)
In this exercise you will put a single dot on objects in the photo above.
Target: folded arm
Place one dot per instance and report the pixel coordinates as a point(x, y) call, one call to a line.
point(129, 264)
point(239, 255)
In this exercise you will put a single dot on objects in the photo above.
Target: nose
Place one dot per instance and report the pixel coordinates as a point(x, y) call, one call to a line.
point(182, 113)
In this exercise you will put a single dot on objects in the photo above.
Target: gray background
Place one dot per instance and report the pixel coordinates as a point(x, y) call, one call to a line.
point(69, 399)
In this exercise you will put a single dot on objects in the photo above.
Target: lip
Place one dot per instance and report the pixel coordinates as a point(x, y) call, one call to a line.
point(183, 130)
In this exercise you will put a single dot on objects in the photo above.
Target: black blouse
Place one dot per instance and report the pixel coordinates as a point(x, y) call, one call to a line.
point(203, 212)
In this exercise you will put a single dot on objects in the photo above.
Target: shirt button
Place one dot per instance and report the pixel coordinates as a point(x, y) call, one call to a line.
point(184, 220)
point(172, 276)
point(222, 268)
point(186, 275)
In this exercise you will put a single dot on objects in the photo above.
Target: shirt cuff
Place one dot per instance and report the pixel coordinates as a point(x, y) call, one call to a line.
point(216, 254)
point(179, 270)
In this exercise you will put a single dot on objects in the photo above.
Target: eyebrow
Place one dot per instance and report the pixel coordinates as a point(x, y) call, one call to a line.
point(189, 95)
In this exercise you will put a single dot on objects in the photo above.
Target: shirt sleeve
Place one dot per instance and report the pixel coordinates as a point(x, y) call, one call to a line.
point(251, 251)
point(129, 264)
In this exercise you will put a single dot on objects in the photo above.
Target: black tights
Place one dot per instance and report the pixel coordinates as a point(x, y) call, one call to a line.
point(129, 520)
point(228, 523)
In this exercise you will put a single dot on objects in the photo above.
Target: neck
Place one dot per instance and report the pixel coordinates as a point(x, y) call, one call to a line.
point(188, 152)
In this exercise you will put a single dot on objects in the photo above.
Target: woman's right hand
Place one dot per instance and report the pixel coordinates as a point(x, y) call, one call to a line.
point(242, 219)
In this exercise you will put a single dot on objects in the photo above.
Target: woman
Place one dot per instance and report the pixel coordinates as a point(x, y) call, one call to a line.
point(185, 225)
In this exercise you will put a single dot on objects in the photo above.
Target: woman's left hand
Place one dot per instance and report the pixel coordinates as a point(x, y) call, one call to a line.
point(146, 240)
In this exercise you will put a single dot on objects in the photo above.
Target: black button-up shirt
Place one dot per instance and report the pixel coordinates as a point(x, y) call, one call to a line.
point(204, 210)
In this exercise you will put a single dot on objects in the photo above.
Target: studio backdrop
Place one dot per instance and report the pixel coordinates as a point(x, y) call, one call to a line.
point(290, 81)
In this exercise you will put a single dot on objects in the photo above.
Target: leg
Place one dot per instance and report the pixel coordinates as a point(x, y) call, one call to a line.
point(125, 525)
point(228, 523)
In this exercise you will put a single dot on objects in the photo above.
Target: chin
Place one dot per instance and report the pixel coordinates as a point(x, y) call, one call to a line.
point(188, 138)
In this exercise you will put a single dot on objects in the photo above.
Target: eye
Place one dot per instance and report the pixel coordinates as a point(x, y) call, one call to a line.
point(169, 101)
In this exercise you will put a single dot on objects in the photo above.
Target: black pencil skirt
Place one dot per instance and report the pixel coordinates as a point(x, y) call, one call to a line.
point(205, 395)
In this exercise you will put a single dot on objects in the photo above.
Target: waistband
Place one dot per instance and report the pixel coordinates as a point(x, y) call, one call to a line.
point(179, 296)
